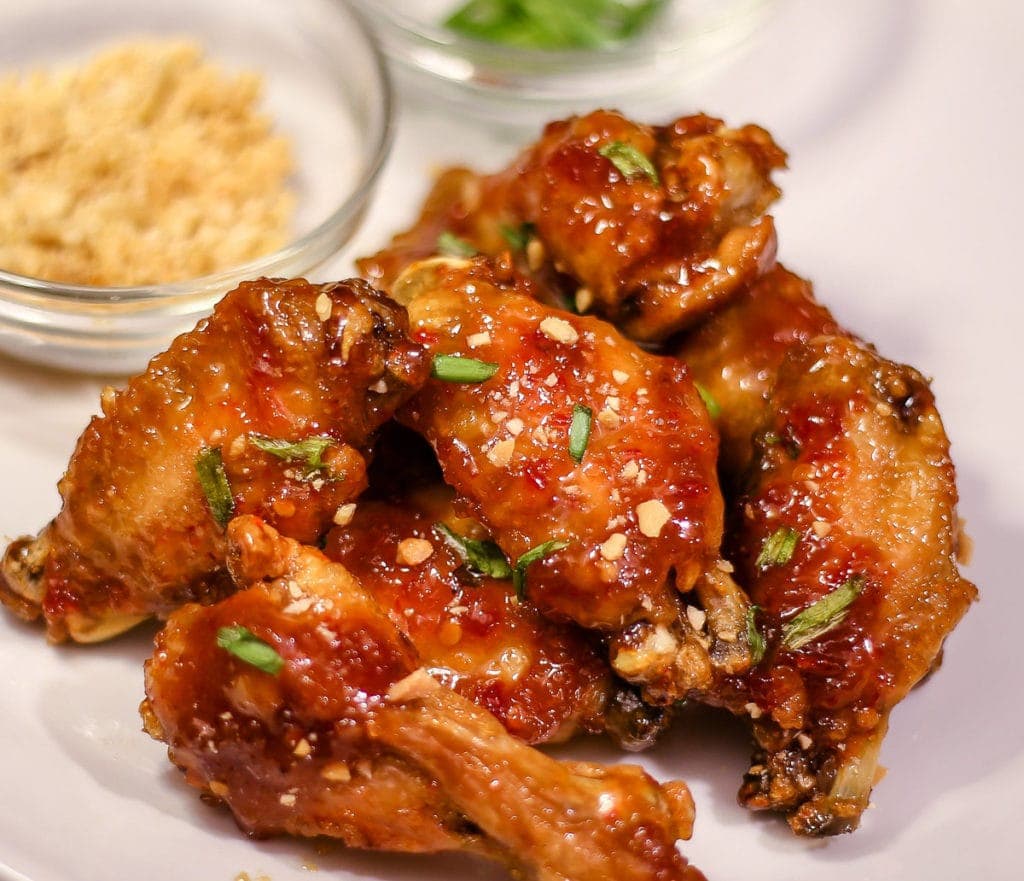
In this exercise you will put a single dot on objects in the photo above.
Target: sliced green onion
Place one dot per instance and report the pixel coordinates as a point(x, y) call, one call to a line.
point(778, 548)
point(630, 161)
point(754, 638)
point(309, 451)
point(823, 616)
point(528, 559)
point(714, 410)
point(553, 24)
point(518, 237)
point(481, 557)
point(240, 642)
point(455, 368)
point(450, 245)
point(214, 482)
point(579, 431)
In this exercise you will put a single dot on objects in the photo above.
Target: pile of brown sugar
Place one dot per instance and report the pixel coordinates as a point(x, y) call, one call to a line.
point(146, 164)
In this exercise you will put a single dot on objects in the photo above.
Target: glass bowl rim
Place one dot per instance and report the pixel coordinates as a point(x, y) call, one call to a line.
point(199, 287)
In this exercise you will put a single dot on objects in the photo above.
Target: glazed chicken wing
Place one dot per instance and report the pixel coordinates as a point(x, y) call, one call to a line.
point(845, 539)
point(333, 727)
point(592, 465)
point(266, 407)
point(651, 227)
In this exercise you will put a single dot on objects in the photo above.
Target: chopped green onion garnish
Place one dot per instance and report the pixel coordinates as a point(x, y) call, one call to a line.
point(630, 161)
point(309, 451)
point(553, 24)
point(240, 642)
point(450, 245)
point(455, 368)
point(579, 431)
point(778, 548)
point(754, 638)
point(214, 481)
point(714, 410)
point(518, 237)
point(824, 615)
point(481, 557)
point(528, 559)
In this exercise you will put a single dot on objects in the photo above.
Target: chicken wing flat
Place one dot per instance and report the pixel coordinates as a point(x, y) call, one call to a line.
point(651, 227)
point(264, 408)
point(591, 464)
point(326, 723)
point(845, 538)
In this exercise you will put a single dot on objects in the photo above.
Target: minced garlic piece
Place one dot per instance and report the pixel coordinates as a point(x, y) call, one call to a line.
point(501, 453)
point(343, 516)
point(821, 528)
point(535, 254)
point(323, 306)
point(415, 686)
point(337, 772)
point(584, 299)
point(413, 551)
point(614, 547)
point(559, 329)
point(476, 340)
point(696, 617)
point(145, 164)
point(652, 517)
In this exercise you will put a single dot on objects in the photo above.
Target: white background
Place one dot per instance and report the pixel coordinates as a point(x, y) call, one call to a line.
point(903, 124)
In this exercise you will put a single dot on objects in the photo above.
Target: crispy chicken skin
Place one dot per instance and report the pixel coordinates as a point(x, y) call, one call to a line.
point(135, 537)
point(849, 452)
point(641, 514)
point(654, 252)
point(352, 738)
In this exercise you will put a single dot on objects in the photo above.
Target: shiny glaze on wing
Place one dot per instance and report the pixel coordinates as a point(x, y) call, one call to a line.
point(353, 739)
point(736, 354)
point(135, 535)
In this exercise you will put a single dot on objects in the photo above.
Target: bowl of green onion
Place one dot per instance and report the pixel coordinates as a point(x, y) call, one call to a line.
point(514, 59)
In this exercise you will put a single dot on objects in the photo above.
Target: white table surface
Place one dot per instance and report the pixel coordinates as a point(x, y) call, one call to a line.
point(903, 124)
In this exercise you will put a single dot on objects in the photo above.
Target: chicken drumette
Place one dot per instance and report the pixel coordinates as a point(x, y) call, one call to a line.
point(326, 723)
point(844, 533)
point(651, 227)
point(592, 465)
point(266, 407)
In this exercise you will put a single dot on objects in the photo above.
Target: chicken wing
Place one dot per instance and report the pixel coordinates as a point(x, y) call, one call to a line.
point(651, 227)
point(846, 539)
point(330, 726)
point(592, 465)
point(265, 408)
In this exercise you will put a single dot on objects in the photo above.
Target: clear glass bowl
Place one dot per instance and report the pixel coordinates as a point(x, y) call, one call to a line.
point(325, 86)
point(522, 86)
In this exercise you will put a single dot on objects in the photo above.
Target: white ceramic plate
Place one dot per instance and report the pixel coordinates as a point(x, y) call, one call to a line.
point(902, 205)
